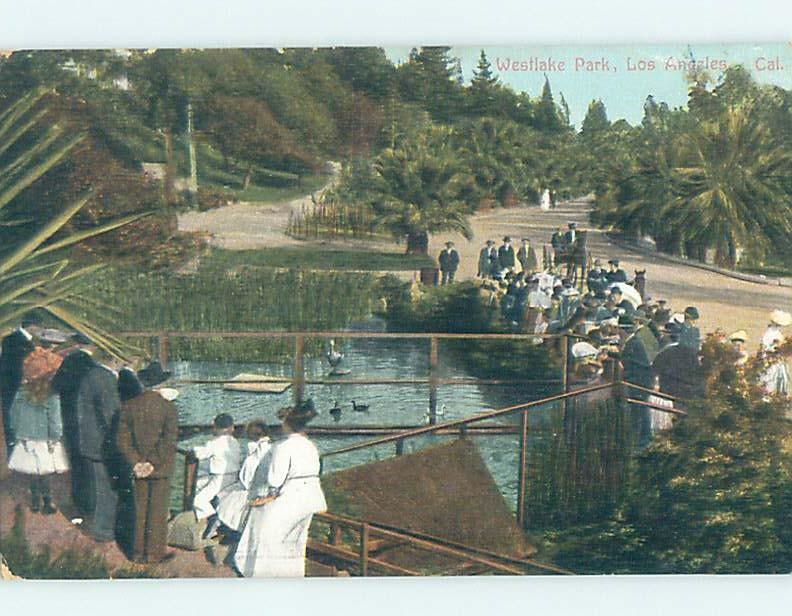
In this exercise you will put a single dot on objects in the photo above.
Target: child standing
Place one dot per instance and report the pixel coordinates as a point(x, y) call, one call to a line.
point(38, 429)
point(219, 463)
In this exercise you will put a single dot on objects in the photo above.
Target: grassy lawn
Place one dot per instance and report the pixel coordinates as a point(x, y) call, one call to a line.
point(316, 257)
point(266, 186)
point(781, 271)
point(262, 193)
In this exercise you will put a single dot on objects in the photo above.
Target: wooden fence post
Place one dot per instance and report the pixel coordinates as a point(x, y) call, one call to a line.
point(433, 378)
point(364, 541)
point(298, 372)
point(522, 472)
point(190, 477)
point(163, 349)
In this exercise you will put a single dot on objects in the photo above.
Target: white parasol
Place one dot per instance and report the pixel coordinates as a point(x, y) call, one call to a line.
point(629, 293)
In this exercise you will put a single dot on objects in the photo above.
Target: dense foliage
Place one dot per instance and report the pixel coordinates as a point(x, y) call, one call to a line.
point(712, 495)
point(711, 177)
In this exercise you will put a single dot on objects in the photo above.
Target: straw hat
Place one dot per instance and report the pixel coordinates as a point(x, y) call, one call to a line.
point(739, 336)
point(583, 349)
point(781, 318)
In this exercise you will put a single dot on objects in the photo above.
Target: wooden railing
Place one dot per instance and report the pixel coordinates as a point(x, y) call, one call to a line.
point(374, 539)
point(434, 380)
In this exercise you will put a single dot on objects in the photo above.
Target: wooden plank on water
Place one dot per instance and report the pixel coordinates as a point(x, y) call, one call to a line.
point(258, 383)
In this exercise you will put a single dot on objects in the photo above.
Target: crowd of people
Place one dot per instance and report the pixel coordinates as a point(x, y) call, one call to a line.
point(610, 315)
point(67, 407)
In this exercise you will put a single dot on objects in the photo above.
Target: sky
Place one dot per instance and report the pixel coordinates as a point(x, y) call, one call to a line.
point(622, 76)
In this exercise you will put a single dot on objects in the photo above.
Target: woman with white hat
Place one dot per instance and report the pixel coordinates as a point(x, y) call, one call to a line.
point(776, 379)
point(738, 340)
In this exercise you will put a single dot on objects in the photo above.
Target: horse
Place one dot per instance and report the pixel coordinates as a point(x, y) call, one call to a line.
point(639, 283)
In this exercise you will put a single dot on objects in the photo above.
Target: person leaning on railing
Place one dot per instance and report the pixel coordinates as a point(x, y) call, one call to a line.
point(275, 537)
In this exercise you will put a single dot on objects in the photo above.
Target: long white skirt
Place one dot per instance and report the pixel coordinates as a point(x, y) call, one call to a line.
point(35, 458)
point(233, 504)
point(776, 379)
point(274, 540)
point(206, 488)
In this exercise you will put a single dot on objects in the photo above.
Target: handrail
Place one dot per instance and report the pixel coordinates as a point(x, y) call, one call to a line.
point(429, 543)
point(657, 407)
point(480, 551)
point(345, 334)
point(334, 381)
point(468, 420)
point(187, 430)
point(662, 394)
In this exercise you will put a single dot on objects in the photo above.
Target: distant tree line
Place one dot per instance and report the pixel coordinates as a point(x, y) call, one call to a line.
point(423, 149)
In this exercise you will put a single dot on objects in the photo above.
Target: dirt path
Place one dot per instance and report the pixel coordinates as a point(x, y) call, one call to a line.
point(723, 302)
point(244, 225)
point(253, 225)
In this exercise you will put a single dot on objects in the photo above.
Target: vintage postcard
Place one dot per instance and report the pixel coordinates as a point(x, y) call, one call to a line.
point(430, 311)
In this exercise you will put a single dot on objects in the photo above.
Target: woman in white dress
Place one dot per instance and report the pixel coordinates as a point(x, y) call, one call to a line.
point(274, 539)
point(776, 379)
point(252, 481)
point(38, 428)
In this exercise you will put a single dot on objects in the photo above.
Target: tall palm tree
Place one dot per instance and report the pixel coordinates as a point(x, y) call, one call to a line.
point(35, 270)
point(419, 189)
point(728, 183)
point(502, 157)
point(719, 182)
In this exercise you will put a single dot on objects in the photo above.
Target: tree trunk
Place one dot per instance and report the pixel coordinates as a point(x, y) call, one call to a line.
point(725, 254)
point(248, 179)
point(418, 243)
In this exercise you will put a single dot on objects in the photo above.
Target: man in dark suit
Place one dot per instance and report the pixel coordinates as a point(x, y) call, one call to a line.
point(506, 256)
point(526, 255)
point(66, 383)
point(15, 347)
point(622, 306)
point(557, 242)
point(596, 279)
point(689, 334)
point(487, 260)
point(570, 237)
point(147, 435)
point(615, 273)
point(449, 263)
point(97, 409)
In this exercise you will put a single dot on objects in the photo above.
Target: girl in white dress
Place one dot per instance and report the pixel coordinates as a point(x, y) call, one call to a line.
point(252, 482)
point(274, 539)
point(38, 428)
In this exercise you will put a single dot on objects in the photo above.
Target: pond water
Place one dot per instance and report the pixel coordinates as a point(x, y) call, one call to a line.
point(394, 404)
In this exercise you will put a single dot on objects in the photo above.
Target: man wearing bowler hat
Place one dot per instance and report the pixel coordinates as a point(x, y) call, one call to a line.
point(506, 256)
point(449, 263)
point(689, 334)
